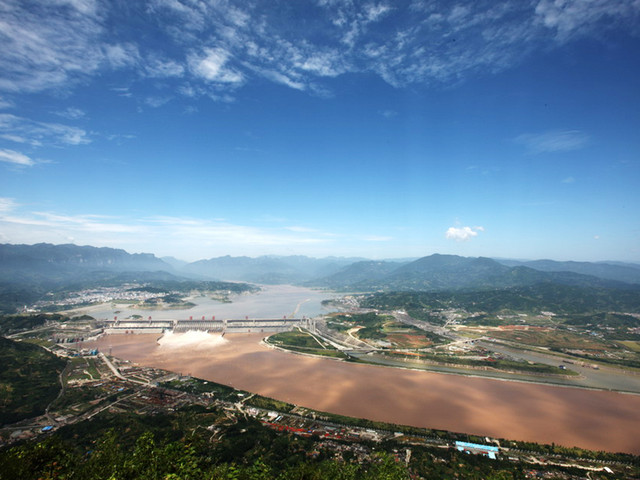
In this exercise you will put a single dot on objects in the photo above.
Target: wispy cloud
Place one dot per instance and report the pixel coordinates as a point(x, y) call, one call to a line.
point(575, 17)
point(4, 103)
point(388, 113)
point(7, 204)
point(16, 158)
point(71, 113)
point(462, 234)
point(212, 66)
point(199, 236)
point(222, 45)
point(23, 130)
point(156, 102)
point(48, 44)
point(555, 141)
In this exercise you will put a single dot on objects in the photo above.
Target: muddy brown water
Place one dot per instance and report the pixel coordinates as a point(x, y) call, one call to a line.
point(590, 419)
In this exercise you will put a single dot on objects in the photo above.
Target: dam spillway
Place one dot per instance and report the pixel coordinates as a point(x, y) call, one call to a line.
point(245, 325)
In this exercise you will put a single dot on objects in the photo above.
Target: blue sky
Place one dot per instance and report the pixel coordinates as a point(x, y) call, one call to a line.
point(199, 128)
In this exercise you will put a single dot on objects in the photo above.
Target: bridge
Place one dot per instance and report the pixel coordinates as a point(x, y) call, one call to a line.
point(213, 325)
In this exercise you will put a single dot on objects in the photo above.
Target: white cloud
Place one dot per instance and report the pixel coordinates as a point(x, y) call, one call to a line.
point(573, 17)
point(54, 44)
point(194, 235)
point(71, 113)
point(17, 158)
point(156, 102)
point(283, 79)
point(122, 55)
point(24, 130)
point(155, 67)
point(555, 141)
point(462, 234)
point(48, 44)
point(4, 103)
point(211, 66)
point(7, 204)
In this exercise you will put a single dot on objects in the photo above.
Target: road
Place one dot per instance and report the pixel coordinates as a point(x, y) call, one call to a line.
point(606, 378)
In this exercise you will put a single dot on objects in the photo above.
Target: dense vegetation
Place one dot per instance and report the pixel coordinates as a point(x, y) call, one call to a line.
point(542, 297)
point(10, 324)
point(29, 380)
point(177, 447)
point(451, 272)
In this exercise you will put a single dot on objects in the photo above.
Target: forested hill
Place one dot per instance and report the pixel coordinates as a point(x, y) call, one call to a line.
point(622, 272)
point(58, 263)
point(451, 272)
point(28, 380)
point(563, 299)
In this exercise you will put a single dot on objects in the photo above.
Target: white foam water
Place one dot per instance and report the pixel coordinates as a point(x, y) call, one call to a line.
point(191, 339)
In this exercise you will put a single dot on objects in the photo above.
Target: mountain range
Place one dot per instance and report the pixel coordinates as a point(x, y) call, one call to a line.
point(446, 272)
point(65, 264)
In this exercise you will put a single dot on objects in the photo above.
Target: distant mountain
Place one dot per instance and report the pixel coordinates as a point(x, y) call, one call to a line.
point(357, 273)
point(267, 269)
point(174, 262)
point(44, 262)
point(452, 272)
point(49, 266)
point(622, 272)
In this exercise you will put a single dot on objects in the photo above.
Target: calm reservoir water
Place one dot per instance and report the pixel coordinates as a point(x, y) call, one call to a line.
point(274, 301)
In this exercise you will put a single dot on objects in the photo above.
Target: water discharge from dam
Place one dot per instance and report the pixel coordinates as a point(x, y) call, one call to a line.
point(191, 339)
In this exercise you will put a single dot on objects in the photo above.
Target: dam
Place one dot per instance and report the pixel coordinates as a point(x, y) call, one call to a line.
point(211, 325)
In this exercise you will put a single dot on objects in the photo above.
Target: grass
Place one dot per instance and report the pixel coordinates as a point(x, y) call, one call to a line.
point(634, 346)
point(554, 339)
point(303, 342)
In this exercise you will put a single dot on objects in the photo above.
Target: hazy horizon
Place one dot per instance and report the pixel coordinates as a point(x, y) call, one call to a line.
point(384, 129)
point(355, 257)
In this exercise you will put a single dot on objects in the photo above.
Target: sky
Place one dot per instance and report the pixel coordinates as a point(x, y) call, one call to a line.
point(377, 129)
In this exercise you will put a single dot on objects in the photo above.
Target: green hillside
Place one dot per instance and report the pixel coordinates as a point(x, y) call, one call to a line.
point(28, 380)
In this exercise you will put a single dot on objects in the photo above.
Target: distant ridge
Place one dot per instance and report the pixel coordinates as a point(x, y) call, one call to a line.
point(446, 272)
point(48, 264)
point(619, 271)
point(60, 264)
point(267, 269)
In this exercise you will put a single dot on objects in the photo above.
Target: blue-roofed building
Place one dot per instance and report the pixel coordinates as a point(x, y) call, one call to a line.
point(478, 449)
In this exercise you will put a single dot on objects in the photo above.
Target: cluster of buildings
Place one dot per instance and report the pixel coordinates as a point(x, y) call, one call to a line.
point(127, 293)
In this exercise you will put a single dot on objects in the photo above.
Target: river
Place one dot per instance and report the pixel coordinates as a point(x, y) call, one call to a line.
point(505, 409)
point(591, 419)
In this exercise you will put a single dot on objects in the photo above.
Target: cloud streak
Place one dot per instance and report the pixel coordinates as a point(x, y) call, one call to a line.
point(551, 142)
point(16, 158)
point(23, 130)
point(190, 237)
